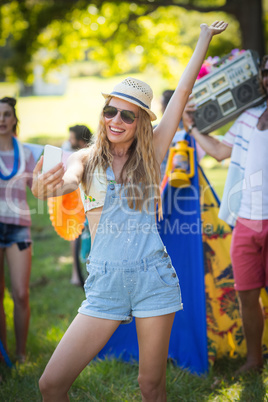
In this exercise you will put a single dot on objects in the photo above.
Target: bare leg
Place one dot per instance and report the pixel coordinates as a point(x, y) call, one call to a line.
point(75, 277)
point(253, 323)
point(153, 336)
point(19, 263)
point(85, 337)
point(3, 333)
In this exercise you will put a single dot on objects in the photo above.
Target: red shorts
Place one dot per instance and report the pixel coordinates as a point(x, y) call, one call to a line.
point(249, 254)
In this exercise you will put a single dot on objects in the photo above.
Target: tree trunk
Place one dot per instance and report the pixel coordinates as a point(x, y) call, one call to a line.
point(250, 16)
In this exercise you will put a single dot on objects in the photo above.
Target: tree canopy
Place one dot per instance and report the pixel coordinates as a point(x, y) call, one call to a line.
point(120, 36)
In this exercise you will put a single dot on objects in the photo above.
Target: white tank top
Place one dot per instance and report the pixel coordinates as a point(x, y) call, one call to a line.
point(254, 202)
point(97, 192)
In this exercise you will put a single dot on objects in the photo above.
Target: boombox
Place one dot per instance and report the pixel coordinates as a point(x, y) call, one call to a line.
point(231, 87)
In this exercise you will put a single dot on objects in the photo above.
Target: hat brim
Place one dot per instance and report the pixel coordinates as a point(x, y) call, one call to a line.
point(150, 113)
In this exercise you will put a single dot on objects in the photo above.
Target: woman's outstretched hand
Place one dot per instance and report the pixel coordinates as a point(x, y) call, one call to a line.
point(214, 29)
point(46, 184)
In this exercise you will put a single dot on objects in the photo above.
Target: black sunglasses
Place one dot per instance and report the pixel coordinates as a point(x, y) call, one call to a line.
point(264, 72)
point(126, 115)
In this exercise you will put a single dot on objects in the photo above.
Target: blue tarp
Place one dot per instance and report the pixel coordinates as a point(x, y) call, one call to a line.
point(181, 233)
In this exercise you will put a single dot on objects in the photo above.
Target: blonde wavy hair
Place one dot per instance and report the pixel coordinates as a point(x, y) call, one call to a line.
point(140, 174)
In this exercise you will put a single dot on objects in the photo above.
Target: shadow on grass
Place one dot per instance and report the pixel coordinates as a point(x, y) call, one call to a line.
point(114, 380)
point(218, 384)
point(247, 387)
point(253, 388)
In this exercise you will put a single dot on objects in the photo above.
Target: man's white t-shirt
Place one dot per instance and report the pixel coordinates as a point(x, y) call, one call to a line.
point(254, 202)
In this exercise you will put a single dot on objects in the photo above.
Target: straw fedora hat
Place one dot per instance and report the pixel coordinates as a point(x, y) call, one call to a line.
point(134, 91)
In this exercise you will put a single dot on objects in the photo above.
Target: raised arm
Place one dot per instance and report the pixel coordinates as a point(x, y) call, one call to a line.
point(56, 181)
point(166, 129)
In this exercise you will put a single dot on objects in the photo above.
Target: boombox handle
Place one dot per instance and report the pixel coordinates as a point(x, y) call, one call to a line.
point(222, 60)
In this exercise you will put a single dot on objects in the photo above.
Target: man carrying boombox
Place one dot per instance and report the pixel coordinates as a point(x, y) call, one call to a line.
point(245, 206)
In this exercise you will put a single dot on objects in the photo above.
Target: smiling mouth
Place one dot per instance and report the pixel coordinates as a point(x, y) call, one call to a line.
point(116, 131)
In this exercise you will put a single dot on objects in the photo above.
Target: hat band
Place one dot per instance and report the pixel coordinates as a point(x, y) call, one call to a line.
point(131, 97)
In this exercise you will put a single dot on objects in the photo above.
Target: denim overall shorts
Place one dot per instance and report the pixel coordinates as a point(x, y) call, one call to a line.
point(130, 272)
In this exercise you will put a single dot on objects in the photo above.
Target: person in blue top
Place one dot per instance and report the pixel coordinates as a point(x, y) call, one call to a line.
point(130, 272)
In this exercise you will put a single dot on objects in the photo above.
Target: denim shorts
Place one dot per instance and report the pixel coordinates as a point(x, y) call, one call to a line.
point(121, 289)
point(10, 234)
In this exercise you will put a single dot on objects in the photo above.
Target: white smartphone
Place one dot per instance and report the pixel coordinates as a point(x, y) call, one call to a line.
point(52, 156)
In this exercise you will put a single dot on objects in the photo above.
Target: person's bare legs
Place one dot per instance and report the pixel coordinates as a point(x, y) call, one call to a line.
point(75, 280)
point(3, 332)
point(153, 336)
point(85, 337)
point(253, 324)
point(19, 263)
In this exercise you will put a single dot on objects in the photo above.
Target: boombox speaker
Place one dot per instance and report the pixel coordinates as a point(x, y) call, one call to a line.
point(231, 87)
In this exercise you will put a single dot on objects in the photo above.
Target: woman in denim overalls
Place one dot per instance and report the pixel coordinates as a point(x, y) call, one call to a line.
point(130, 273)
